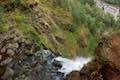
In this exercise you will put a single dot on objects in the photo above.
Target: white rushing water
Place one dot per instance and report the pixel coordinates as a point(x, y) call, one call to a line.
point(69, 65)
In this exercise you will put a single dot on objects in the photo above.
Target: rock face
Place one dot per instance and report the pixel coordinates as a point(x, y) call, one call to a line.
point(110, 52)
point(17, 62)
point(111, 49)
point(37, 66)
point(12, 47)
point(75, 75)
point(106, 66)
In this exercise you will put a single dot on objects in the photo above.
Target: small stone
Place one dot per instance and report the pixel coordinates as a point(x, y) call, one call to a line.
point(12, 36)
point(10, 52)
point(0, 57)
point(8, 73)
point(16, 39)
point(3, 50)
point(6, 61)
point(15, 45)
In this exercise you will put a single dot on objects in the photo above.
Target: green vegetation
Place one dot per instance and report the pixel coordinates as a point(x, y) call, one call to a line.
point(54, 28)
point(85, 13)
point(28, 31)
point(77, 24)
point(71, 39)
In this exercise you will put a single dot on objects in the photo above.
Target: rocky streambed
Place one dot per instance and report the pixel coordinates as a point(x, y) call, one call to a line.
point(42, 66)
point(37, 66)
point(19, 60)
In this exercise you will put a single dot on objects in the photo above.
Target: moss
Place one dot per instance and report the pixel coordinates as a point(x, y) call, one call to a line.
point(30, 34)
point(2, 70)
point(3, 25)
point(71, 39)
point(27, 30)
point(18, 17)
point(2, 9)
point(54, 28)
point(79, 24)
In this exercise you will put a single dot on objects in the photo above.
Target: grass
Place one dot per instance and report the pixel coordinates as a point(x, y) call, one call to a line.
point(18, 17)
point(27, 30)
point(70, 20)
point(54, 28)
point(71, 39)
point(2, 9)
point(30, 34)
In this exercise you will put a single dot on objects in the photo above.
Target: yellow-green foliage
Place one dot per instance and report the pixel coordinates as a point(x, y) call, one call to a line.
point(79, 24)
point(3, 26)
point(71, 39)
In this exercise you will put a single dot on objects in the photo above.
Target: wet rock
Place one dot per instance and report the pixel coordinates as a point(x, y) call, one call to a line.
point(56, 64)
point(106, 65)
point(31, 68)
point(75, 75)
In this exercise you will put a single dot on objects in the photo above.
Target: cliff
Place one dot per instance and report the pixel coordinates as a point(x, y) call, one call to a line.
point(106, 65)
point(64, 27)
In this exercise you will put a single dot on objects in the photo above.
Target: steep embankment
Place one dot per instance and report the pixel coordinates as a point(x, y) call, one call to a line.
point(108, 58)
point(65, 27)
point(26, 26)
point(12, 49)
point(43, 23)
point(106, 65)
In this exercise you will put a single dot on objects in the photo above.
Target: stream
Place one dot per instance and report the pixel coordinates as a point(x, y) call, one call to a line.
point(52, 67)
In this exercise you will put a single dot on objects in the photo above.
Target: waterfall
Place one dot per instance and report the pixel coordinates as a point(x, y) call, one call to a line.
point(69, 65)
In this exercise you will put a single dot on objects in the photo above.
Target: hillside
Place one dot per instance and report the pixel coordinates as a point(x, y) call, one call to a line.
point(50, 24)
point(64, 27)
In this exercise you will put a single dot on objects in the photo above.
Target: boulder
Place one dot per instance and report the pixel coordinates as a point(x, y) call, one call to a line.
point(106, 65)
point(75, 75)
point(8, 74)
point(12, 48)
point(109, 49)
point(10, 52)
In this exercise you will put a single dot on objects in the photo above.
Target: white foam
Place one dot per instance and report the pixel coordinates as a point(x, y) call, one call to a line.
point(69, 65)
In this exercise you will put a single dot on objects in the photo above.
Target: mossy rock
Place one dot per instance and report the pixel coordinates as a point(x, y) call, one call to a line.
point(2, 70)
point(75, 75)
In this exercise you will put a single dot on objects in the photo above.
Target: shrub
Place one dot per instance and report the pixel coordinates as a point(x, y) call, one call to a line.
point(54, 28)
point(18, 17)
